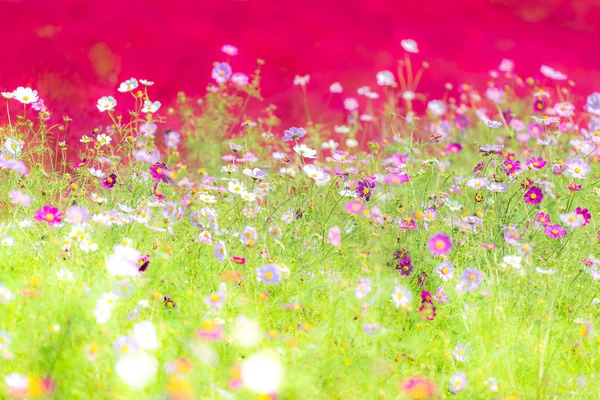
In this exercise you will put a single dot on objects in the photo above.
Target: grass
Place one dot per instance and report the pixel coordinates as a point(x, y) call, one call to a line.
point(529, 330)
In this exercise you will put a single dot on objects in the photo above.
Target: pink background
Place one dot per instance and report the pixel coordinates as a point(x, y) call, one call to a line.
point(75, 51)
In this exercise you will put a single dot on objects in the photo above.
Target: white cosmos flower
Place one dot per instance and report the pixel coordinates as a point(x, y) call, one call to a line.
point(146, 82)
point(103, 139)
point(137, 369)
point(123, 261)
point(343, 129)
point(26, 95)
point(7, 95)
point(385, 78)
point(128, 85)
point(207, 198)
point(552, 73)
point(409, 45)
point(305, 151)
point(352, 143)
point(150, 107)
point(262, 373)
point(436, 107)
point(106, 103)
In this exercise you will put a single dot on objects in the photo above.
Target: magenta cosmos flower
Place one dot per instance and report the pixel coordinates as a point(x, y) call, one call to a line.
point(109, 181)
point(439, 244)
point(48, 214)
point(555, 231)
point(534, 195)
point(159, 172)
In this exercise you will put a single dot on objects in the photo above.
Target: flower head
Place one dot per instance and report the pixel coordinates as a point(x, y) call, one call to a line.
point(48, 214)
point(439, 244)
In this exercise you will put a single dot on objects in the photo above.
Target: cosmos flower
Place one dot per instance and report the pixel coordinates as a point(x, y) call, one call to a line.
point(458, 382)
point(48, 214)
point(106, 103)
point(534, 195)
point(221, 72)
point(151, 107)
point(401, 296)
point(336, 87)
point(409, 45)
point(301, 80)
point(25, 95)
point(159, 172)
point(270, 273)
point(555, 231)
point(293, 133)
point(229, 49)
point(128, 85)
point(355, 207)
point(439, 244)
point(239, 79)
point(551, 73)
point(109, 181)
point(385, 78)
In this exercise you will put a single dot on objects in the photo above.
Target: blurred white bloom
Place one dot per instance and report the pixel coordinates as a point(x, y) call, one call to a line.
point(146, 82)
point(262, 373)
point(246, 332)
point(123, 261)
point(385, 78)
point(145, 335)
point(137, 369)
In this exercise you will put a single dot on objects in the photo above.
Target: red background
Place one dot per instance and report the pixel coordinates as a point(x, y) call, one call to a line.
point(75, 51)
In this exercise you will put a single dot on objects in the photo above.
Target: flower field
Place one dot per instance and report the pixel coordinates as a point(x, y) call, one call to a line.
point(423, 249)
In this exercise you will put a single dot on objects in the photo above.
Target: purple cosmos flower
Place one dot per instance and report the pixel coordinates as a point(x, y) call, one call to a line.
point(364, 189)
point(220, 251)
point(172, 139)
point(293, 134)
point(470, 280)
point(403, 262)
point(109, 181)
point(151, 156)
point(221, 72)
point(534, 195)
point(542, 218)
point(439, 244)
point(48, 214)
point(269, 273)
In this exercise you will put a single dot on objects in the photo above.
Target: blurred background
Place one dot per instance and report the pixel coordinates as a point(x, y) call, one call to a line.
point(74, 51)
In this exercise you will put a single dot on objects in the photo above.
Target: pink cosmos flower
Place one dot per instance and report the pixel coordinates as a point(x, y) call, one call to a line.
point(396, 179)
point(355, 207)
point(335, 236)
point(48, 214)
point(439, 244)
point(555, 231)
point(542, 218)
point(536, 163)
